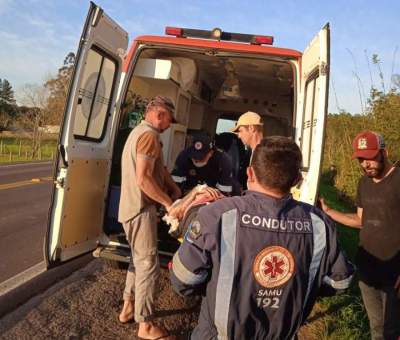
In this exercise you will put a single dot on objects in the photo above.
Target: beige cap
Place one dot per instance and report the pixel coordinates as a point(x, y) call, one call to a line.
point(248, 118)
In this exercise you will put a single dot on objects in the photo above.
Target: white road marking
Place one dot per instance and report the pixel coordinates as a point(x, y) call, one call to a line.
point(21, 278)
point(24, 164)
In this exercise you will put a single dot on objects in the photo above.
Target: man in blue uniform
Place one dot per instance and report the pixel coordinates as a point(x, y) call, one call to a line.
point(260, 260)
point(202, 163)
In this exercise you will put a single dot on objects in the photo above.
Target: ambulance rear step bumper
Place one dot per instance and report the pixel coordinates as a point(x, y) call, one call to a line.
point(124, 255)
point(113, 253)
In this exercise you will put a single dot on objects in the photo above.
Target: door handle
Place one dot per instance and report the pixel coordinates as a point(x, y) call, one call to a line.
point(61, 149)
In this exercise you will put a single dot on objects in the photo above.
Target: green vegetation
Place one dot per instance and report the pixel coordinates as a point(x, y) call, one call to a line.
point(348, 236)
point(380, 112)
point(38, 105)
point(7, 103)
point(383, 117)
point(13, 149)
point(342, 316)
point(348, 319)
point(39, 109)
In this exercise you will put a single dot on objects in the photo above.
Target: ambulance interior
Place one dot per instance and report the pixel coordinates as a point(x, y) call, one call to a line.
point(209, 90)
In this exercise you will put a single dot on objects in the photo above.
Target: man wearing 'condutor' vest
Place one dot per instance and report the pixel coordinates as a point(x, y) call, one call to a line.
point(260, 260)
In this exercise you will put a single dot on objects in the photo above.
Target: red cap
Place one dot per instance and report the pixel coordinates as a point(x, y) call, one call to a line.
point(367, 144)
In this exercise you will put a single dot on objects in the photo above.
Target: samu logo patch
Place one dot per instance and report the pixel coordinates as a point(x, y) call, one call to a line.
point(273, 266)
point(193, 232)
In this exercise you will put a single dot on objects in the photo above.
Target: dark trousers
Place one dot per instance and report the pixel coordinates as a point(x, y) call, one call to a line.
point(383, 309)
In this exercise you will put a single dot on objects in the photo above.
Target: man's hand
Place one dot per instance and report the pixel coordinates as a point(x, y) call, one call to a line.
point(211, 192)
point(176, 210)
point(325, 208)
point(147, 184)
point(353, 220)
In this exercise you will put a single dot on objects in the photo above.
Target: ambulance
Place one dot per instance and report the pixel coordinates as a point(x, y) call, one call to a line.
point(213, 76)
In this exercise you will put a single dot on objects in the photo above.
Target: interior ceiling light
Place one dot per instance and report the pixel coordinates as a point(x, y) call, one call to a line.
point(230, 88)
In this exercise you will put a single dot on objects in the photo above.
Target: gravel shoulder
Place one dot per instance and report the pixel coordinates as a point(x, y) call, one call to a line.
point(86, 305)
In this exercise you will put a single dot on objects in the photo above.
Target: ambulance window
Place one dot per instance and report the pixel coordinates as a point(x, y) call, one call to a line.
point(309, 120)
point(94, 96)
point(225, 125)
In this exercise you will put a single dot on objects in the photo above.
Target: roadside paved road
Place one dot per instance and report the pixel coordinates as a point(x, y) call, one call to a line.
point(24, 206)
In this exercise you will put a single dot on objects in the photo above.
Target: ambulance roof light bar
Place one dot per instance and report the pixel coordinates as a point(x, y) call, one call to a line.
point(218, 34)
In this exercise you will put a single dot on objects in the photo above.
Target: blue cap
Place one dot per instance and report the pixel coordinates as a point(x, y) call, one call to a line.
point(201, 145)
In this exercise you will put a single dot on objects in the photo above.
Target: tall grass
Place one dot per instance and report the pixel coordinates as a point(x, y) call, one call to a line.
point(342, 316)
point(14, 149)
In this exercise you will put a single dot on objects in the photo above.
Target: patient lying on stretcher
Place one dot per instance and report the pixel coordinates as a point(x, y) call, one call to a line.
point(184, 210)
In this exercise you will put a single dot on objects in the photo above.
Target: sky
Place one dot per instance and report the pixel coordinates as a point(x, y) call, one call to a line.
point(36, 35)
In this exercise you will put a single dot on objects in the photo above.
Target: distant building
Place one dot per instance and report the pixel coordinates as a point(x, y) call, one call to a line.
point(50, 129)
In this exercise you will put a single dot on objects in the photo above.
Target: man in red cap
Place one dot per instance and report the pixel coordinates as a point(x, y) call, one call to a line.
point(378, 216)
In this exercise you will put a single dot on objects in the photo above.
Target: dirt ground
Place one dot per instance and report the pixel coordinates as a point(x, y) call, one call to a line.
point(86, 306)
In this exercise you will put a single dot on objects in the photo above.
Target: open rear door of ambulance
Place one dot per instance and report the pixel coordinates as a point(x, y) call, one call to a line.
point(312, 112)
point(85, 145)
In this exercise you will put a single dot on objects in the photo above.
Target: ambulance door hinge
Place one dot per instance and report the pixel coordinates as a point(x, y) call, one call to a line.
point(61, 149)
point(59, 182)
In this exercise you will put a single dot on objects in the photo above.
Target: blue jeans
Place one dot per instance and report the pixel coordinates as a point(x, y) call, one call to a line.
point(383, 309)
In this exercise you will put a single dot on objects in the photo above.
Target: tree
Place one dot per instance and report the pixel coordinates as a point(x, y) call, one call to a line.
point(8, 108)
point(6, 93)
point(58, 90)
point(33, 115)
point(5, 120)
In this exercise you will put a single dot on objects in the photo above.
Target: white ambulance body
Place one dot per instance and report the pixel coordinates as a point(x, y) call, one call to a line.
point(212, 76)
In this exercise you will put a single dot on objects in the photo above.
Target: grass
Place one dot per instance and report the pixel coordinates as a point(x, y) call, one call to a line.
point(348, 236)
point(342, 316)
point(14, 149)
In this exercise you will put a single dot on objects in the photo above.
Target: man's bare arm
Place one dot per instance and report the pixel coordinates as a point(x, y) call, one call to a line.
point(199, 193)
point(171, 185)
point(146, 182)
point(351, 220)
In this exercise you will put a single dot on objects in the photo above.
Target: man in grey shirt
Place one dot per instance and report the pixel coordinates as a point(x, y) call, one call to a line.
point(145, 184)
